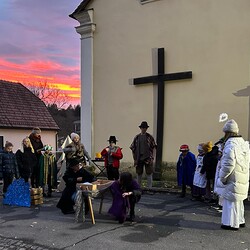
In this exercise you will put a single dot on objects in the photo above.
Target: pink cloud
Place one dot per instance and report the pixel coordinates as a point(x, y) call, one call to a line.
point(40, 43)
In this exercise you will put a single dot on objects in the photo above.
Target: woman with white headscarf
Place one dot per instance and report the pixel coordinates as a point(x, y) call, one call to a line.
point(76, 150)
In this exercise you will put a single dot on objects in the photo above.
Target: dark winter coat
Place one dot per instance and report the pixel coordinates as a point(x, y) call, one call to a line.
point(185, 169)
point(26, 162)
point(36, 144)
point(8, 164)
point(210, 161)
point(70, 177)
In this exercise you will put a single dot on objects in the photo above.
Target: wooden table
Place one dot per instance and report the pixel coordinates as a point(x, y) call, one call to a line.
point(97, 190)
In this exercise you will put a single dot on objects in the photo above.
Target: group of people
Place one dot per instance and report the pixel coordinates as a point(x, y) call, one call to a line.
point(125, 190)
point(35, 163)
point(219, 173)
point(24, 163)
point(143, 149)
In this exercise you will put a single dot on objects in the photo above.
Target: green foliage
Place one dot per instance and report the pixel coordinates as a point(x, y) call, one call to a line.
point(168, 175)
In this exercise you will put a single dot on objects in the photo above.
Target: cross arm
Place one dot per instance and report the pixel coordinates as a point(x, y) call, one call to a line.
point(163, 77)
point(146, 79)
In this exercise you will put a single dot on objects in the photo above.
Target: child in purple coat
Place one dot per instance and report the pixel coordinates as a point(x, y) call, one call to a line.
point(126, 192)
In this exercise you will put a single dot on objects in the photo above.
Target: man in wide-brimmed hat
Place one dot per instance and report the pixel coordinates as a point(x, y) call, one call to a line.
point(142, 148)
point(112, 155)
point(74, 174)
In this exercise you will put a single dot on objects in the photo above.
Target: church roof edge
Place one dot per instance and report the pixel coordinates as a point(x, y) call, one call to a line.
point(83, 5)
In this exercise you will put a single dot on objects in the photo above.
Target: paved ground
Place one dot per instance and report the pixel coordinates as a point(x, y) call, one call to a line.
point(164, 221)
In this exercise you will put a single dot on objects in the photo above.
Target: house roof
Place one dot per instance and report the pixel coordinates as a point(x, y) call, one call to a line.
point(20, 108)
point(80, 8)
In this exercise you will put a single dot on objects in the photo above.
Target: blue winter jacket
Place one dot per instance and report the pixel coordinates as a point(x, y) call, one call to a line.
point(8, 164)
point(185, 169)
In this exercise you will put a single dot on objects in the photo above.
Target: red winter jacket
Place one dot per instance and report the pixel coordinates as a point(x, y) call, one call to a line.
point(117, 155)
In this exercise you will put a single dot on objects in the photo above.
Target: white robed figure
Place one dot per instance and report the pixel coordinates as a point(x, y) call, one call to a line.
point(61, 163)
point(234, 174)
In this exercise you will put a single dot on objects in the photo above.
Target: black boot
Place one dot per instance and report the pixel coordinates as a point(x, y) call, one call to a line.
point(131, 216)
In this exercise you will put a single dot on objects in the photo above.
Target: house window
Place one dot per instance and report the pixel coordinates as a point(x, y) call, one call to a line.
point(147, 1)
point(1, 142)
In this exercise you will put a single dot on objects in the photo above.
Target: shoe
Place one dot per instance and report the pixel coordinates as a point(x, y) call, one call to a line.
point(149, 192)
point(182, 195)
point(69, 212)
point(193, 199)
point(196, 198)
point(49, 195)
point(212, 201)
point(229, 228)
point(121, 220)
point(201, 199)
point(131, 218)
point(206, 200)
point(243, 225)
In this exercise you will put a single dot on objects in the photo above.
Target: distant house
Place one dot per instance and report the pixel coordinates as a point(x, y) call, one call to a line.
point(20, 111)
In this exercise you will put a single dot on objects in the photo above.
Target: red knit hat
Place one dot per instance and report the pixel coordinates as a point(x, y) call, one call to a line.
point(184, 147)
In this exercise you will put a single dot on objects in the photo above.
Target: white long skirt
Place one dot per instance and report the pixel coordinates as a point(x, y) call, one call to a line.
point(232, 213)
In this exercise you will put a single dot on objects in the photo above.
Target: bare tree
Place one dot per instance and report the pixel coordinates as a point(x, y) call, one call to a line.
point(50, 94)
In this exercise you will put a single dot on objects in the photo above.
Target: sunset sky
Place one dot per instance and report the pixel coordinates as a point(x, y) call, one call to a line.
point(39, 43)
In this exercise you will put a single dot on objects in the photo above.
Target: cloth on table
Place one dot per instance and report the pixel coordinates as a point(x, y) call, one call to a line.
point(81, 195)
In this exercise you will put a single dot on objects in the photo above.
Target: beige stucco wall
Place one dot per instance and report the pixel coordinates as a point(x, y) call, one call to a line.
point(15, 136)
point(209, 37)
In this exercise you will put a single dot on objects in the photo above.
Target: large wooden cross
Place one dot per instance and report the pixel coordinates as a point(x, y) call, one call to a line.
point(160, 80)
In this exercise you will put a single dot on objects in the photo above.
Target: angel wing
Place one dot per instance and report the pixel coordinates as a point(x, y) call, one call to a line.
point(223, 117)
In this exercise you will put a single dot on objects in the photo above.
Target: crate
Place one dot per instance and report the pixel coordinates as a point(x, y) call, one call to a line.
point(35, 191)
point(36, 195)
point(37, 202)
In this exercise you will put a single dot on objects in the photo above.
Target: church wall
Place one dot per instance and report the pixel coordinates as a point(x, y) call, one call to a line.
point(211, 38)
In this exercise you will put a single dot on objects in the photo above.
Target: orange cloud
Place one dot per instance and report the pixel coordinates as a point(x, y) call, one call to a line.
point(35, 72)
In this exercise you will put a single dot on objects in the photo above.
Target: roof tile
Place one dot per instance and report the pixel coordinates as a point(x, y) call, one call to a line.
point(20, 108)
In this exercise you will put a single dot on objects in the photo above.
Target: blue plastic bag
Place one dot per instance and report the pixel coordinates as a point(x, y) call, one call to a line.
point(18, 194)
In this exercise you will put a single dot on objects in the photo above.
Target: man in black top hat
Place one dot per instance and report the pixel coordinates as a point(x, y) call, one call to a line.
point(112, 155)
point(142, 148)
